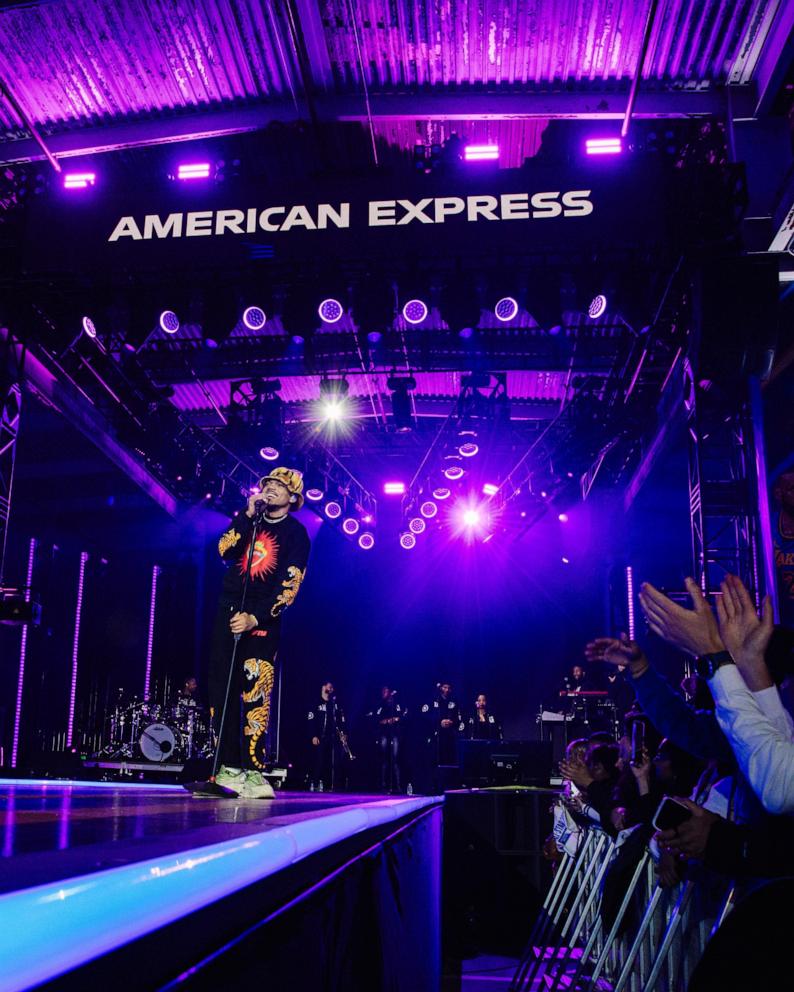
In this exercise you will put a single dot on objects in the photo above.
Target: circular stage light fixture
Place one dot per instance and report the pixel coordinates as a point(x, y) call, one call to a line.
point(563, 518)
point(429, 509)
point(350, 526)
point(442, 493)
point(374, 337)
point(506, 309)
point(407, 541)
point(417, 525)
point(415, 311)
point(333, 510)
point(330, 311)
point(315, 495)
point(471, 518)
point(366, 541)
point(169, 322)
point(469, 449)
point(269, 453)
point(598, 306)
point(89, 327)
point(453, 473)
point(254, 318)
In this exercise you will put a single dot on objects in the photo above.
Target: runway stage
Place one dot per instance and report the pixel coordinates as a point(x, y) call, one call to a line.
point(143, 886)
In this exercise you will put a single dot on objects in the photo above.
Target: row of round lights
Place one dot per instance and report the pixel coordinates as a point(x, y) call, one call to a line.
point(350, 525)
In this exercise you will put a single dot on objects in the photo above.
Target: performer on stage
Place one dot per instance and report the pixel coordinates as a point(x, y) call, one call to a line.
point(443, 726)
point(330, 746)
point(388, 718)
point(483, 725)
point(576, 681)
point(188, 693)
point(279, 545)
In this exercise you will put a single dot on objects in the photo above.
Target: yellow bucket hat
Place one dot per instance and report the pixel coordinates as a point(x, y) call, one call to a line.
point(292, 479)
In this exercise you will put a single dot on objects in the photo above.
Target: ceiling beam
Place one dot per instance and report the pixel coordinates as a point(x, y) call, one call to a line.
point(593, 106)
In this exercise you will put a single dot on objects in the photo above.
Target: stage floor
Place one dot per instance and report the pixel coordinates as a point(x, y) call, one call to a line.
point(54, 830)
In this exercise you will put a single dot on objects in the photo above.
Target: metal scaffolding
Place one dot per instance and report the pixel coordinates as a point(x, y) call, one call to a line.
point(9, 430)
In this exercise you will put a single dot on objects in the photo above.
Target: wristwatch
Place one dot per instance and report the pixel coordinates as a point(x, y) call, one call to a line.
point(707, 664)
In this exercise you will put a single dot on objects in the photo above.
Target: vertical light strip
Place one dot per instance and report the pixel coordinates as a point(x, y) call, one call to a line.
point(630, 599)
point(150, 642)
point(23, 650)
point(75, 648)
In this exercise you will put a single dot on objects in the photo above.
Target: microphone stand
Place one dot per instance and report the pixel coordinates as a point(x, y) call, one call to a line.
point(211, 787)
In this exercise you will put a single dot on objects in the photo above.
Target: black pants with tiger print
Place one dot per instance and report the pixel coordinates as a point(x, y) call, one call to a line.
point(243, 742)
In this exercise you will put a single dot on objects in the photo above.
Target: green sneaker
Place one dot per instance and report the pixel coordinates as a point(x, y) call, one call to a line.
point(256, 786)
point(231, 778)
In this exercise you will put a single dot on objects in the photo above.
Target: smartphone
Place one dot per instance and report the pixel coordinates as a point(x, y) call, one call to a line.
point(637, 741)
point(670, 814)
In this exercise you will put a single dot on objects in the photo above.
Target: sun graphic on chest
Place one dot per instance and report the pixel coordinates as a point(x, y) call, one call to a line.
point(265, 558)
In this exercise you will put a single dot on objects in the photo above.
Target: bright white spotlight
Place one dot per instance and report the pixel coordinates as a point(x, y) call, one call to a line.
point(471, 518)
point(598, 306)
point(334, 410)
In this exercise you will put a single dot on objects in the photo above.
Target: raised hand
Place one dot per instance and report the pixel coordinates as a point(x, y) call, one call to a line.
point(692, 630)
point(744, 634)
point(690, 839)
point(576, 771)
point(614, 651)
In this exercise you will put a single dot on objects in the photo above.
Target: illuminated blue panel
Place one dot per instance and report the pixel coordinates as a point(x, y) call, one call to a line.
point(53, 928)
point(69, 783)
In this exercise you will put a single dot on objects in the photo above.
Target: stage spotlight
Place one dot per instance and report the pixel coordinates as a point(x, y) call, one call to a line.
point(471, 518)
point(454, 472)
point(269, 453)
point(333, 510)
point(506, 309)
point(254, 318)
point(374, 337)
point(78, 180)
point(481, 153)
point(394, 488)
point(330, 311)
point(428, 509)
point(193, 170)
point(366, 541)
point(468, 449)
point(563, 518)
point(333, 393)
point(442, 493)
point(597, 307)
point(407, 541)
point(603, 146)
point(314, 495)
point(566, 561)
point(417, 525)
point(415, 311)
point(169, 322)
point(350, 526)
point(490, 489)
point(400, 386)
point(333, 410)
point(89, 327)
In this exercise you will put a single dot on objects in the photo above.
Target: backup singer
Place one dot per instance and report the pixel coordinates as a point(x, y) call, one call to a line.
point(483, 725)
point(279, 545)
point(388, 718)
point(328, 734)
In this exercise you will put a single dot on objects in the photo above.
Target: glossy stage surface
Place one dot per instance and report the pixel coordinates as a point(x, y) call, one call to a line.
point(139, 856)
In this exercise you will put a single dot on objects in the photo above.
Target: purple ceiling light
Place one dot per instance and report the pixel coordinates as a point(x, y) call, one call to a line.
point(454, 472)
point(394, 488)
point(563, 518)
point(366, 541)
point(333, 510)
point(193, 170)
point(169, 322)
point(315, 495)
point(79, 180)
point(407, 541)
point(415, 311)
point(429, 509)
point(603, 146)
point(597, 307)
point(441, 493)
point(481, 153)
point(270, 454)
point(89, 327)
point(254, 318)
point(350, 526)
point(468, 449)
point(490, 489)
point(330, 311)
point(417, 525)
point(506, 309)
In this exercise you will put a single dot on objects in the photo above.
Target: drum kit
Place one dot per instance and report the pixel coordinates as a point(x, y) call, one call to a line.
point(146, 731)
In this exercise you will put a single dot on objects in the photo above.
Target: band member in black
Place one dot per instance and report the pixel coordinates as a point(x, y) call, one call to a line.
point(278, 545)
point(576, 681)
point(443, 723)
point(388, 719)
point(330, 747)
point(482, 725)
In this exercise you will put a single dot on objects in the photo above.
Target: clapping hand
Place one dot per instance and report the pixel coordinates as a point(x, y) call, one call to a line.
point(576, 771)
point(692, 630)
point(615, 651)
point(743, 633)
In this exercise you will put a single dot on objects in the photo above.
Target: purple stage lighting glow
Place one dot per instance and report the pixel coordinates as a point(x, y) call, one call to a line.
point(441, 493)
point(597, 307)
point(394, 488)
point(471, 518)
point(481, 153)
point(630, 600)
point(254, 318)
point(23, 650)
point(490, 489)
point(366, 541)
point(563, 518)
point(466, 332)
point(454, 472)
point(315, 495)
point(269, 453)
point(506, 309)
point(76, 647)
point(417, 525)
point(333, 510)
point(149, 643)
point(169, 322)
point(89, 327)
point(428, 509)
point(334, 410)
point(78, 180)
point(415, 311)
point(193, 170)
point(374, 337)
point(469, 449)
point(330, 311)
point(407, 541)
point(566, 561)
point(297, 339)
point(350, 526)
point(603, 146)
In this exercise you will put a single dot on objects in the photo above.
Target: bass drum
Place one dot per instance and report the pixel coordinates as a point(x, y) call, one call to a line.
point(157, 742)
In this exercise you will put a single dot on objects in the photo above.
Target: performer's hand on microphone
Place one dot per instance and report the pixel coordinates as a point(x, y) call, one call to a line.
point(253, 499)
point(316, 741)
point(241, 623)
